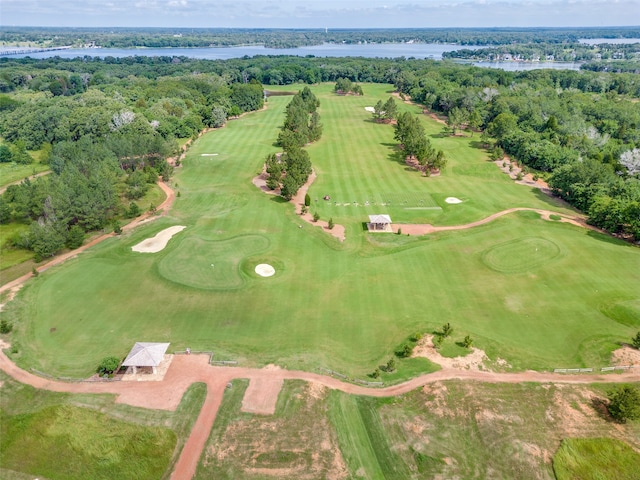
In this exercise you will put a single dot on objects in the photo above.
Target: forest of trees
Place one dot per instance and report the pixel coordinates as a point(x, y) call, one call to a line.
point(104, 125)
point(290, 169)
point(122, 37)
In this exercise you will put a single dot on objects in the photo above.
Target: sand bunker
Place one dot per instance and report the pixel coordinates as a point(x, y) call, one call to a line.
point(370, 109)
point(265, 270)
point(157, 243)
point(452, 200)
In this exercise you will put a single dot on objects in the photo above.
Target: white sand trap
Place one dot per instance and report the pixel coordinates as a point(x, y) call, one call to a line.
point(157, 243)
point(265, 270)
point(452, 200)
point(208, 154)
point(370, 109)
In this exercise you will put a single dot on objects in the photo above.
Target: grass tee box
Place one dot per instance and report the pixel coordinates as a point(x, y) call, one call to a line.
point(539, 294)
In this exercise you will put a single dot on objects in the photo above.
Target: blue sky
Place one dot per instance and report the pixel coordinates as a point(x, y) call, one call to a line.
point(320, 14)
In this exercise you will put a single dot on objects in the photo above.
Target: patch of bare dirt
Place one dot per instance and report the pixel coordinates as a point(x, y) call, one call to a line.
point(473, 361)
point(261, 395)
point(625, 355)
point(436, 398)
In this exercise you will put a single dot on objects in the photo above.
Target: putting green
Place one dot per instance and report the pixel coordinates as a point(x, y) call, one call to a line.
point(208, 264)
point(520, 255)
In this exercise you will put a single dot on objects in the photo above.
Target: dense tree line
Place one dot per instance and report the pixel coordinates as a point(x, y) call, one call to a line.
point(564, 52)
point(279, 38)
point(291, 169)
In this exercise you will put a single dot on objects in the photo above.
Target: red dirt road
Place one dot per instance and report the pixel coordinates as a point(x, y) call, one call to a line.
point(187, 369)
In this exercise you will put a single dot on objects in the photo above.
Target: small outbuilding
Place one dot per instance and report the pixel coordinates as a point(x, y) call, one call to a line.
point(379, 223)
point(145, 354)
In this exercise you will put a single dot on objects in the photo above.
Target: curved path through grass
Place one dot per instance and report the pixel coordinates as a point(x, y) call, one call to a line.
point(423, 229)
point(188, 369)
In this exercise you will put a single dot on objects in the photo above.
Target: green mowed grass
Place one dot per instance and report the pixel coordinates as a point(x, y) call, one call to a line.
point(595, 459)
point(539, 294)
point(12, 172)
point(65, 436)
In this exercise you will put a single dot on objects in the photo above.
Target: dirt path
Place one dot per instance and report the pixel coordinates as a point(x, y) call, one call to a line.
point(426, 228)
point(30, 177)
point(337, 231)
point(187, 369)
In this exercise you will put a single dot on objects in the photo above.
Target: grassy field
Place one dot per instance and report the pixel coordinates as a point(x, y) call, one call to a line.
point(594, 459)
point(13, 172)
point(538, 294)
point(65, 436)
point(446, 430)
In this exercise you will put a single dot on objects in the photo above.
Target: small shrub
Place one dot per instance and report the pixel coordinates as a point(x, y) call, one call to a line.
point(437, 341)
point(5, 327)
point(316, 216)
point(152, 208)
point(376, 373)
point(134, 210)
point(415, 337)
point(399, 231)
point(34, 271)
point(307, 200)
point(404, 351)
point(511, 167)
point(15, 348)
point(117, 229)
point(108, 365)
point(447, 329)
point(624, 403)
point(519, 176)
point(635, 341)
point(178, 194)
point(536, 177)
point(391, 365)
point(331, 224)
point(467, 342)
point(304, 209)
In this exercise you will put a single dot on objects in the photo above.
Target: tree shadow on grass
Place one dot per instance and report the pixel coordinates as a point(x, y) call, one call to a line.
point(600, 407)
point(278, 199)
point(603, 237)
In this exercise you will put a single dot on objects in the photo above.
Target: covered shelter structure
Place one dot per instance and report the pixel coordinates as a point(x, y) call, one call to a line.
point(379, 223)
point(145, 354)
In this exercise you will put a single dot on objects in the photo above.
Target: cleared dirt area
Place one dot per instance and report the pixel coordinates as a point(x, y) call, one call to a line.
point(262, 395)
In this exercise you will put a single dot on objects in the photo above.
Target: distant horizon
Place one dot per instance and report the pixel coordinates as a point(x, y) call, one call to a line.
point(503, 27)
point(310, 14)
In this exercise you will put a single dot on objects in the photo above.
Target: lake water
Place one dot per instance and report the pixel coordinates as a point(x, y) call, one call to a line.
point(384, 50)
